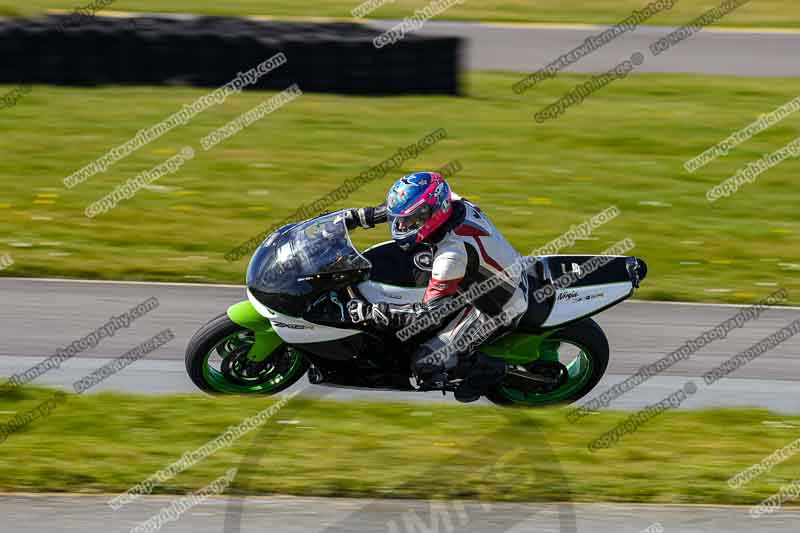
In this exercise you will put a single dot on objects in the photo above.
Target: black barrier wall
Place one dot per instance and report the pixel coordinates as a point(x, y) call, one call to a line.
point(210, 51)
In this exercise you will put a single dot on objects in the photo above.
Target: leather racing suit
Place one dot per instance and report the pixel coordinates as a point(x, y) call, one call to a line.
point(467, 249)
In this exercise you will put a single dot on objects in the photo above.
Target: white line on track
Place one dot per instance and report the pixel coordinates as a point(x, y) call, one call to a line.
point(228, 286)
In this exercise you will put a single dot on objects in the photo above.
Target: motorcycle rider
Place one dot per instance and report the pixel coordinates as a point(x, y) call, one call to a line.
point(467, 248)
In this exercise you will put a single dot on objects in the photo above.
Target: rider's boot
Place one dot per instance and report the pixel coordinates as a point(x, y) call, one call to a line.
point(429, 371)
point(482, 374)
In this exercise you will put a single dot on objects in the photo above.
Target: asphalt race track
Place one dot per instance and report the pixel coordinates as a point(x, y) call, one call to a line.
point(91, 514)
point(526, 48)
point(39, 316)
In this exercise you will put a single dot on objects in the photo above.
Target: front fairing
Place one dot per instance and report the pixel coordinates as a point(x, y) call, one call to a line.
point(299, 262)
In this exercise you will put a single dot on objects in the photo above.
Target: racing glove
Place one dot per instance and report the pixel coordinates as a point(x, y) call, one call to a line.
point(361, 311)
point(365, 217)
point(399, 316)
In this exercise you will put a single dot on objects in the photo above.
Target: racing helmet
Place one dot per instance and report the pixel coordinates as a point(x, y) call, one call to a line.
point(417, 205)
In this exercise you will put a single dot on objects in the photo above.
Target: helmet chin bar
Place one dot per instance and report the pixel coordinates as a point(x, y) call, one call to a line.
point(405, 240)
point(408, 243)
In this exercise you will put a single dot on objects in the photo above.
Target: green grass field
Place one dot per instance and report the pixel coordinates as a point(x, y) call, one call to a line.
point(107, 443)
point(623, 146)
point(761, 13)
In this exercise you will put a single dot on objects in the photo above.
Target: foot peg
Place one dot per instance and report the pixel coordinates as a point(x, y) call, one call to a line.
point(315, 376)
point(539, 377)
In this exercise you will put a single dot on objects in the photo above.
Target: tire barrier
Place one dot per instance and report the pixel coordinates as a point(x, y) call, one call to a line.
point(210, 51)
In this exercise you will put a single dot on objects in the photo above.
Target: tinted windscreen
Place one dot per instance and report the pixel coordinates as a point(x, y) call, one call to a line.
point(286, 263)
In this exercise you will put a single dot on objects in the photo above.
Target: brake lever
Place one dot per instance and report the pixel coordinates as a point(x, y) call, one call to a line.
point(336, 301)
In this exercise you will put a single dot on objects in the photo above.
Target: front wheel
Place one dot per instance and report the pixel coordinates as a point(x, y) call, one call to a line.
point(582, 348)
point(216, 360)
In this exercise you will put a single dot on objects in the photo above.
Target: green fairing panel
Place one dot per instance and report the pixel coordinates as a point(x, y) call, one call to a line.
point(267, 339)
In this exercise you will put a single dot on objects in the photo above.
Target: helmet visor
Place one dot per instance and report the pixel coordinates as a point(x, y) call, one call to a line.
point(411, 223)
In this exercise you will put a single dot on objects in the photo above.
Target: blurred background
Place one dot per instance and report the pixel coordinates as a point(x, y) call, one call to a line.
point(78, 80)
point(625, 145)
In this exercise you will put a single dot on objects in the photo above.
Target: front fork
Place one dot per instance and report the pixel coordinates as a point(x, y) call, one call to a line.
point(266, 339)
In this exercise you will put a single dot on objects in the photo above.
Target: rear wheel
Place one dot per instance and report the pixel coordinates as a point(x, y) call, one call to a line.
point(216, 360)
point(582, 348)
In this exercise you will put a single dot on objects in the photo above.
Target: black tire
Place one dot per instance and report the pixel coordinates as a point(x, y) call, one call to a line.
point(206, 338)
point(586, 333)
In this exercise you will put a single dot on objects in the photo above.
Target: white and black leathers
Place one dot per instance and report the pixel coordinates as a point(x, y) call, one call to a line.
point(467, 249)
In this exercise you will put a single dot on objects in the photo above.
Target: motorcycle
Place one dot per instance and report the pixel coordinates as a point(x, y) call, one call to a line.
point(294, 321)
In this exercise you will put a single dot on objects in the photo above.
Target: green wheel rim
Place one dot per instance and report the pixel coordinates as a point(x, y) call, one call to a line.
point(269, 382)
point(579, 371)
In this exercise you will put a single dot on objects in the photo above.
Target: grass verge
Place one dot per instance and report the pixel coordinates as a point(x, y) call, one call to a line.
point(761, 13)
point(108, 442)
point(623, 146)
